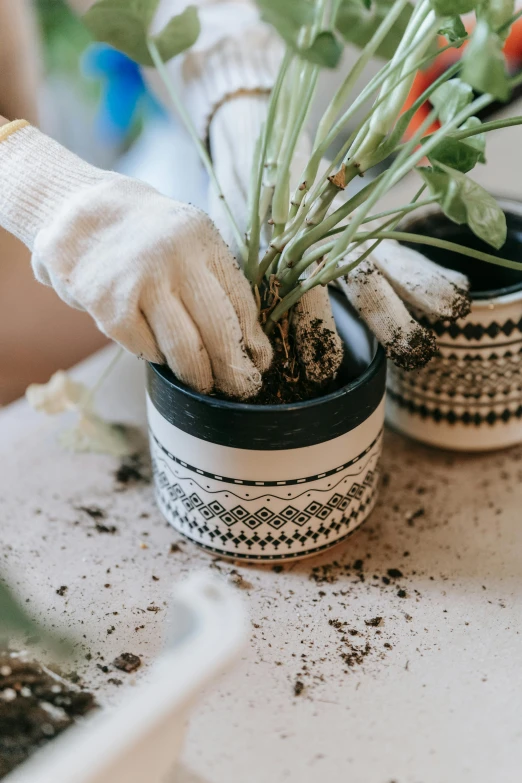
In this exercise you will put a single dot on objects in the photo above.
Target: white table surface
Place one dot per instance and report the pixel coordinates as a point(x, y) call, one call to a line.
point(441, 704)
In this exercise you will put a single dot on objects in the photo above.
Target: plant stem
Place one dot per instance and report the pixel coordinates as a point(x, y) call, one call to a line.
point(420, 239)
point(255, 222)
point(90, 394)
point(486, 127)
point(203, 154)
point(350, 144)
point(302, 101)
point(316, 233)
point(389, 225)
point(323, 135)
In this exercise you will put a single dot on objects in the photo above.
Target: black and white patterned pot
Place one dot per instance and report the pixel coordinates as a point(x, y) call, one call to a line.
point(267, 483)
point(469, 397)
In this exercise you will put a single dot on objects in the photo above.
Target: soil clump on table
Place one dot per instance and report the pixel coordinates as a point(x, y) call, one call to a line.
point(35, 706)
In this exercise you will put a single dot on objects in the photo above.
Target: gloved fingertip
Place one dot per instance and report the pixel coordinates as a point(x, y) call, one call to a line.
point(261, 351)
point(241, 386)
point(413, 350)
point(461, 304)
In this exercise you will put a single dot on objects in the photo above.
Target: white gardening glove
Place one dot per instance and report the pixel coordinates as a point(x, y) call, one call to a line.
point(154, 273)
point(396, 281)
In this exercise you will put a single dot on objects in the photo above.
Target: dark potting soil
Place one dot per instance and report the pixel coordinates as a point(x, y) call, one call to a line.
point(286, 380)
point(35, 706)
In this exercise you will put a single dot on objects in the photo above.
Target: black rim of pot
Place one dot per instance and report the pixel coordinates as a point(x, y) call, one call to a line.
point(512, 208)
point(264, 427)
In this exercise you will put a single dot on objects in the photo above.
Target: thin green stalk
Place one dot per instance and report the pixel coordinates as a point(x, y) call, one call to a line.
point(346, 150)
point(443, 244)
point(388, 180)
point(255, 232)
point(294, 294)
point(203, 154)
point(389, 225)
point(328, 119)
point(404, 210)
point(296, 249)
point(422, 30)
point(509, 23)
point(405, 162)
point(291, 232)
point(364, 58)
point(486, 127)
point(384, 154)
point(303, 99)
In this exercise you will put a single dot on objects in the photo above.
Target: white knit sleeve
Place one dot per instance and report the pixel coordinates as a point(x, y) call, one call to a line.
point(37, 177)
point(235, 54)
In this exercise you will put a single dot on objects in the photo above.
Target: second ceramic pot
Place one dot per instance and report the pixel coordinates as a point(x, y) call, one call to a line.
point(469, 397)
point(265, 482)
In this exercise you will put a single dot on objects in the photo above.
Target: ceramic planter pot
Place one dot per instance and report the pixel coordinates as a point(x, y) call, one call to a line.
point(469, 397)
point(264, 482)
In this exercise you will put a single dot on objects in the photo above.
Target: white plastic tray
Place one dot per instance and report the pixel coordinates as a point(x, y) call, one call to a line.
point(140, 741)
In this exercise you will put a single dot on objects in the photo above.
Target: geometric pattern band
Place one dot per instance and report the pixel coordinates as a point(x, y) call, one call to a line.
point(473, 331)
point(266, 526)
point(467, 417)
point(280, 483)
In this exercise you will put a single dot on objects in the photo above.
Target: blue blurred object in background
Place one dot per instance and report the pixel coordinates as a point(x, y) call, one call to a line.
point(125, 102)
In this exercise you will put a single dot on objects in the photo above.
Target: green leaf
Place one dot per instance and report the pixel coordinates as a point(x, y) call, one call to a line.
point(325, 50)
point(496, 13)
point(484, 66)
point(179, 34)
point(457, 154)
point(15, 621)
point(441, 186)
point(460, 154)
point(479, 140)
point(453, 29)
point(357, 24)
point(125, 25)
point(465, 201)
point(289, 17)
point(452, 7)
point(450, 98)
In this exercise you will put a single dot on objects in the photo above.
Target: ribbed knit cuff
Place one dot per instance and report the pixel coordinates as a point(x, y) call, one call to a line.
point(236, 66)
point(37, 175)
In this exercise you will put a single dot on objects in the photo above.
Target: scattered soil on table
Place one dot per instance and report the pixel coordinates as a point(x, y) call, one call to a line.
point(132, 472)
point(110, 529)
point(94, 512)
point(35, 706)
point(127, 662)
point(298, 687)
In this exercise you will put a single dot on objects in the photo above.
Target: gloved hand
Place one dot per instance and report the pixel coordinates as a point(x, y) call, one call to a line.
point(396, 281)
point(154, 274)
point(233, 134)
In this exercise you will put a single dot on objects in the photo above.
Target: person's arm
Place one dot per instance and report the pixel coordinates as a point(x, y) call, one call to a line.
point(19, 60)
point(153, 273)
